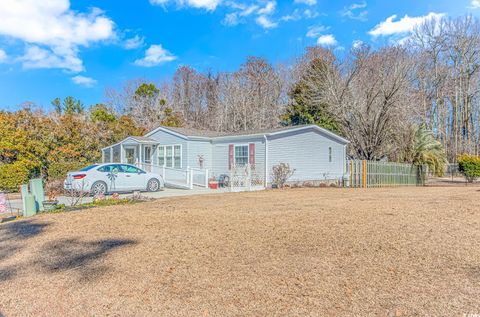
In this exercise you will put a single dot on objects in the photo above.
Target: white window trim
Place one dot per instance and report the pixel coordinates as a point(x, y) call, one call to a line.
point(248, 152)
point(173, 155)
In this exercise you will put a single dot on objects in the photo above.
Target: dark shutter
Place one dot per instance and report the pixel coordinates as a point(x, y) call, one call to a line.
point(230, 156)
point(251, 150)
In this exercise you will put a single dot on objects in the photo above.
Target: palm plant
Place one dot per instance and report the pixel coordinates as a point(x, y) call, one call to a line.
point(426, 150)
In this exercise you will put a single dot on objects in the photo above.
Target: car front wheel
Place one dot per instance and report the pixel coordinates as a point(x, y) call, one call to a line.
point(153, 185)
point(98, 188)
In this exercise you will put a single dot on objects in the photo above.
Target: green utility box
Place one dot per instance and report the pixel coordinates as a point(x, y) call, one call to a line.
point(30, 206)
point(36, 188)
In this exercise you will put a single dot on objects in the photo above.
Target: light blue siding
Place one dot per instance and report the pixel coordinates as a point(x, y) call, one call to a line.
point(165, 138)
point(196, 148)
point(307, 151)
point(220, 154)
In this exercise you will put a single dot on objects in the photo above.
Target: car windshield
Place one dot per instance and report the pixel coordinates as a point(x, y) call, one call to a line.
point(88, 168)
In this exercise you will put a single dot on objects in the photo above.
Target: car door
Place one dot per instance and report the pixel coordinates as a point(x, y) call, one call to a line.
point(114, 177)
point(134, 177)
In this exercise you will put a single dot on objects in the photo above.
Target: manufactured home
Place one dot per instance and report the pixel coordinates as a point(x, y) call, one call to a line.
point(187, 157)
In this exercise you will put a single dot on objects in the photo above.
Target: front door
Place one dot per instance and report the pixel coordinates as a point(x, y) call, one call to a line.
point(132, 178)
point(130, 155)
point(147, 155)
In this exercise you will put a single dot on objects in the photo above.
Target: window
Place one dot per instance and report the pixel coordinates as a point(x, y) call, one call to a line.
point(129, 169)
point(330, 154)
point(177, 156)
point(109, 168)
point(88, 168)
point(161, 155)
point(170, 156)
point(241, 155)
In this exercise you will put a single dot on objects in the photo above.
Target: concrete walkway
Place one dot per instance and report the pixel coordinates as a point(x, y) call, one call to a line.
point(168, 192)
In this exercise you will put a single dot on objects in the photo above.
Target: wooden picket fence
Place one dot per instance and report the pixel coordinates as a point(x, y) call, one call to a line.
point(362, 173)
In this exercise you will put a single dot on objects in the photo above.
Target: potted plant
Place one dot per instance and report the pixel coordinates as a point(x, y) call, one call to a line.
point(53, 189)
point(52, 202)
point(213, 183)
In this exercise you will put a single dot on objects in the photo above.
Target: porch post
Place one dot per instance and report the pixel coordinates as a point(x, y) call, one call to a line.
point(122, 155)
point(110, 150)
point(206, 178)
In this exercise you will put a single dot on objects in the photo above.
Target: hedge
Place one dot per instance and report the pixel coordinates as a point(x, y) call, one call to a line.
point(58, 170)
point(469, 166)
point(13, 175)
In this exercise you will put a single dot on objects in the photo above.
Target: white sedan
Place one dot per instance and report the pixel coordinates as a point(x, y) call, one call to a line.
point(100, 179)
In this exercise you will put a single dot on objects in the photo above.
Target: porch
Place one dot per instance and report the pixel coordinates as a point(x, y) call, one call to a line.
point(151, 156)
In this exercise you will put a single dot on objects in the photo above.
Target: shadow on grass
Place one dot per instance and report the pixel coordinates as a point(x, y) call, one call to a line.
point(11, 236)
point(84, 257)
point(19, 230)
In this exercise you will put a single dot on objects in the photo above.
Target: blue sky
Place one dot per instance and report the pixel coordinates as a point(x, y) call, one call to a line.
point(56, 48)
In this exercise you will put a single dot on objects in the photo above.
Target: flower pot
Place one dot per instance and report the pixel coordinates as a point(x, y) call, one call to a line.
point(213, 185)
point(49, 205)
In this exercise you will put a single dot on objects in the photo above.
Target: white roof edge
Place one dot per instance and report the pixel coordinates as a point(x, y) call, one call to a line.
point(166, 129)
point(316, 127)
point(128, 137)
point(226, 137)
point(311, 126)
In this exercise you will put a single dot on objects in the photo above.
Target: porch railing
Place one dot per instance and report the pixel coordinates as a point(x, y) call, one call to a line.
point(184, 178)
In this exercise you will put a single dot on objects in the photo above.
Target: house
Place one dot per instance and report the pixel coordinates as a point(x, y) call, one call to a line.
point(188, 156)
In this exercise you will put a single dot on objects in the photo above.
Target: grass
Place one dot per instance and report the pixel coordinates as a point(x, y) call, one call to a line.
point(298, 252)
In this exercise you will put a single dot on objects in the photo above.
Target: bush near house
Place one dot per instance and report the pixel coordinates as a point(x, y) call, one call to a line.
point(59, 169)
point(12, 175)
point(281, 173)
point(469, 166)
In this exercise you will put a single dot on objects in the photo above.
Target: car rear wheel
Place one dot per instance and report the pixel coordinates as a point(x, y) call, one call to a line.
point(98, 188)
point(153, 185)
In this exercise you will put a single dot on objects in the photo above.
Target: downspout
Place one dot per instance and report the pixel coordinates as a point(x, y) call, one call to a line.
point(266, 160)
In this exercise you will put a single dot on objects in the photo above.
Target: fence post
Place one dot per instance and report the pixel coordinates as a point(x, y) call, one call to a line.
point(364, 173)
point(206, 178)
point(190, 178)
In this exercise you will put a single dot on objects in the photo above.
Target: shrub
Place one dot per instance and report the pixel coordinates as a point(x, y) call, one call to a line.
point(469, 166)
point(13, 175)
point(281, 173)
point(58, 170)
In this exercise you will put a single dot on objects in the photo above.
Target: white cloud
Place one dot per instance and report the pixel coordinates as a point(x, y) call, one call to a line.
point(262, 14)
point(54, 30)
point(355, 11)
point(315, 31)
point(155, 55)
point(234, 18)
point(209, 5)
point(327, 40)
point(3, 56)
point(474, 4)
point(309, 14)
point(307, 2)
point(268, 9)
point(265, 22)
point(37, 57)
point(357, 43)
point(294, 16)
point(402, 26)
point(134, 42)
point(84, 81)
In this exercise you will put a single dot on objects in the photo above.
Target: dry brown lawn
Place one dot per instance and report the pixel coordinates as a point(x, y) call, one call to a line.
point(302, 252)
